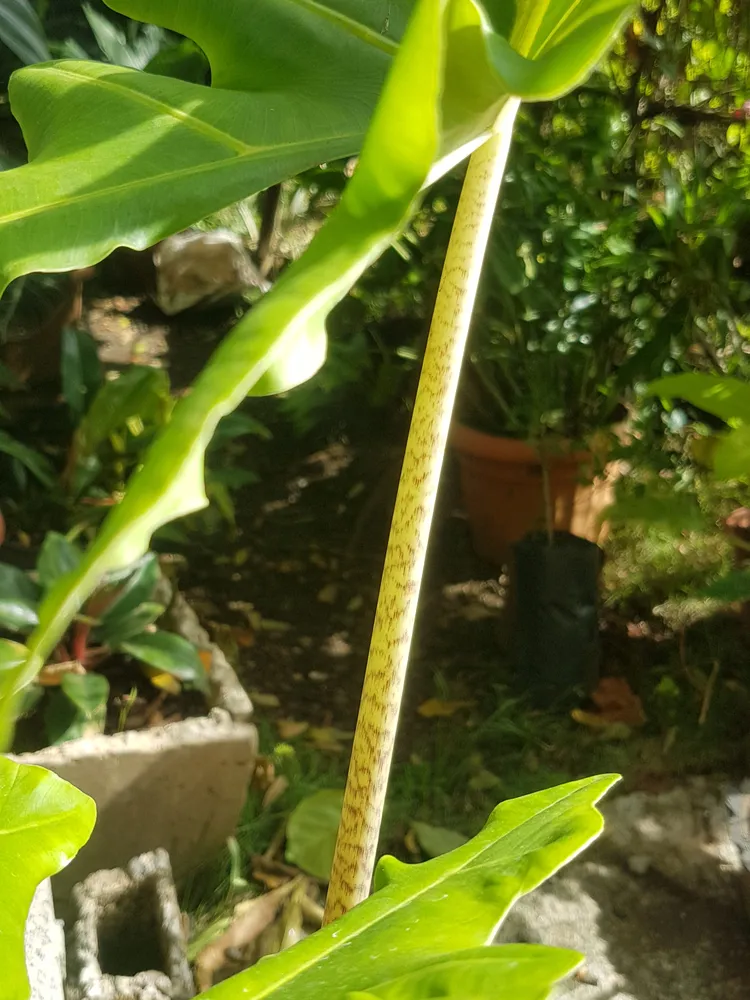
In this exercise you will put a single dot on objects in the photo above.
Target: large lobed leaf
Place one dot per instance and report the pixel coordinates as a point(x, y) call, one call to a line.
point(120, 157)
point(44, 821)
point(418, 933)
point(444, 89)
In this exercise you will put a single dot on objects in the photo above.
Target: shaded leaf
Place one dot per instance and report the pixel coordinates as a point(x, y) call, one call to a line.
point(678, 511)
point(437, 840)
point(77, 708)
point(311, 832)
point(57, 557)
point(30, 459)
point(733, 586)
point(80, 369)
point(443, 906)
point(44, 821)
point(19, 597)
point(119, 601)
point(22, 31)
point(124, 628)
point(170, 653)
point(438, 708)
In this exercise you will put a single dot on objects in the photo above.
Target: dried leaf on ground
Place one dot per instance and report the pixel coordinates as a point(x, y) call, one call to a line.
point(437, 708)
point(251, 918)
point(616, 702)
point(328, 738)
point(275, 790)
point(264, 700)
point(291, 728)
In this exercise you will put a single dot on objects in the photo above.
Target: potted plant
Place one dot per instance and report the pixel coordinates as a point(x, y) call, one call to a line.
point(540, 389)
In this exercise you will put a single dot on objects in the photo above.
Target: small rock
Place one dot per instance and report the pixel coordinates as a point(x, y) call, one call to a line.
point(639, 864)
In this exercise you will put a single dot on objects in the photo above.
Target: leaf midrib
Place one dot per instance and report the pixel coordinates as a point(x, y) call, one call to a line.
point(349, 25)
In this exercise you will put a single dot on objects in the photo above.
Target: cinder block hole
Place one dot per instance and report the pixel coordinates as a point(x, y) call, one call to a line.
point(130, 939)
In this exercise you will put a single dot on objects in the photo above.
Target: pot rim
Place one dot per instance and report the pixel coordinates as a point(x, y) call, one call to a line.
point(497, 448)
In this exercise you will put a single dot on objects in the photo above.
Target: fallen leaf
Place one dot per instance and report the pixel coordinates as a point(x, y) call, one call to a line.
point(437, 840)
point(264, 700)
point(410, 841)
point(275, 790)
point(161, 679)
point(206, 658)
point(327, 738)
point(51, 674)
point(243, 637)
point(250, 919)
point(617, 702)
point(289, 729)
point(436, 708)
point(328, 594)
point(264, 774)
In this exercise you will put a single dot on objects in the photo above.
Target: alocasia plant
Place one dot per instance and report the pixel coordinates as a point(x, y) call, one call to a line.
point(44, 822)
point(119, 157)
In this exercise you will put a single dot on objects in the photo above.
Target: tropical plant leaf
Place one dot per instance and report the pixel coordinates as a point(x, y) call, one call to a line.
point(311, 832)
point(128, 625)
point(78, 708)
point(676, 512)
point(520, 972)
point(118, 600)
point(22, 31)
point(19, 597)
point(57, 557)
point(731, 454)
point(293, 85)
point(447, 905)
point(436, 840)
point(32, 460)
point(139, 393)
point(171, 654)
point(44, 822)
point(80, 370)
point(13, 659)
point(724, 397)
point(439, 94)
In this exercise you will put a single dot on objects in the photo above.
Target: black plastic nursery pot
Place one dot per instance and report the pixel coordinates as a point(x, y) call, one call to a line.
point(555, 628)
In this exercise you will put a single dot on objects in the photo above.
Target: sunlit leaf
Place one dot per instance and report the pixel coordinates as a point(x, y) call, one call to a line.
point(44, 821)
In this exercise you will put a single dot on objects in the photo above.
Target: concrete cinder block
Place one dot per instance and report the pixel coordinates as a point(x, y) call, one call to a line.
point(44, 945)
point(126, 939)
point(180, 787)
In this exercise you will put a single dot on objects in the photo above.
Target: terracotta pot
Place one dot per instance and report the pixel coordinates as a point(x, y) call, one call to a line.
point(503, 491)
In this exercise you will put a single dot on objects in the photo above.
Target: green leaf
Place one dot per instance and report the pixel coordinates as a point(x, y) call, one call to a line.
point(293, 85)
point(140, 393)
point(57, 557)
point(731, 455)
point(183, 60)
point(44, 822)
point(22, 31)
point(440, 94)
point(78, 709)
point(677, 512)
point(37, 464)
point(170, 653)
point(724, 397)
point(420, 914)
point(437, 840)
point(518, 972)
point(137, 589)
point(19, 597)
point(733, 586)
point(126, 626)
point(13, 660)
point(80, 369)
point(311, 832)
